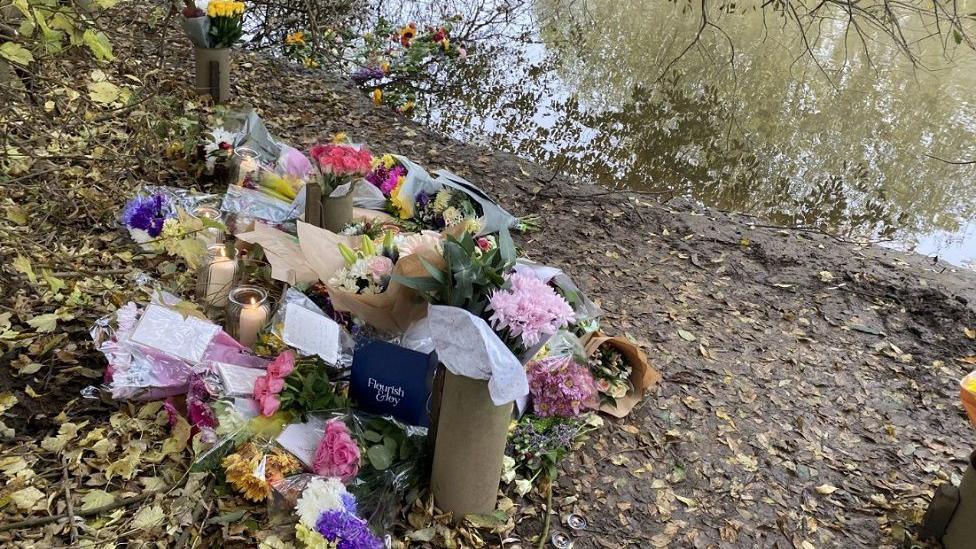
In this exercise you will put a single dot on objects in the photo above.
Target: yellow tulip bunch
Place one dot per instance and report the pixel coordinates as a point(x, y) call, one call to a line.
point(225, 8)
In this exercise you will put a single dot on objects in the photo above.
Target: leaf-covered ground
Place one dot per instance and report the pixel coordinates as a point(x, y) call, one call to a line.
point(810, 393)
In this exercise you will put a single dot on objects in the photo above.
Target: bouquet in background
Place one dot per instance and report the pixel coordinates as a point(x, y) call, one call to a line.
point(283, 187)
point(387, 174)
point(536, 446)
point(447, 208)
point(338, 164)
point(611, 372)
point(215, 24)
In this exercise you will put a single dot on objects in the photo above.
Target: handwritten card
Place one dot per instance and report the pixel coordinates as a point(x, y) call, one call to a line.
point(167, 330)
point(238, 380)
point(311, 333)
point(302, 439)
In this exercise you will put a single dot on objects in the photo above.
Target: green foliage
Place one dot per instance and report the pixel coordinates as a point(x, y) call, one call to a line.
point(308, 389)
point(386, 442)
point(470, 275)
point(48, 27)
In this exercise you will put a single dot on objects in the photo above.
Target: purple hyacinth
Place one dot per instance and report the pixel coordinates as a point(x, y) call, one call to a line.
point(366, 74)
point(347, 531)
point(147, 213)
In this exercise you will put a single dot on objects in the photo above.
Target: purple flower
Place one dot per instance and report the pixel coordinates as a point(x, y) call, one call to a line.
point(349, 503)
point(560, 387)
point(378, 175)
point(147, 213)
point(423, 199)
point(529, 309)
point(347, 530)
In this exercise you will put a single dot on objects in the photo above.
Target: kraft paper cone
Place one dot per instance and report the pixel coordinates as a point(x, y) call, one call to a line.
point(643, 376)
point(962, 528)
point(471, 437)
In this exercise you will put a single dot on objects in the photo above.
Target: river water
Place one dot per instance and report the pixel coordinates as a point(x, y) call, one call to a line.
point(837, 140)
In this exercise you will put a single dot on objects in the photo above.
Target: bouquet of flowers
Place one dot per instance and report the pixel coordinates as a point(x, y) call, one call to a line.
point(339, 163)
point(611, 371)
point(367, 270)
point(527, 310)
point(144, 216)
point(215, 24)
point(253, 471)
point(327, 517)
point(447, 208)
point(560, 387)
point(299, 386)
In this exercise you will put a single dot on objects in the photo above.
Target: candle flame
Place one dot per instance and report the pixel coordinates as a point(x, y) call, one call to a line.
point(253, 302)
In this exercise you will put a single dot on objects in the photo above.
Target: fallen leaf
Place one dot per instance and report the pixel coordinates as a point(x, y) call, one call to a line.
point(826, 489)
point(27, 498)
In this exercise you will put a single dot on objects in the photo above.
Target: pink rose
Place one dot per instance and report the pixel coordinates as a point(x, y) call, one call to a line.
point(337, 454)
point(266, 389)
point(379, 266)
point(283, 365)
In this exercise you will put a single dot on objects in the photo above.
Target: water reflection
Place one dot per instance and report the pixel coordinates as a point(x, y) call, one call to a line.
point(578, 85)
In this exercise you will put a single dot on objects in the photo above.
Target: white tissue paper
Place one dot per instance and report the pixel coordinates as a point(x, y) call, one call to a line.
point(467, 346)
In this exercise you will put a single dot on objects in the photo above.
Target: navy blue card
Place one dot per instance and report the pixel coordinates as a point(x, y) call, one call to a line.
point(390, 380)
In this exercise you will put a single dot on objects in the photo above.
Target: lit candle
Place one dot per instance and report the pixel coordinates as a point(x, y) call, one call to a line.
point(209, 235)
point(248, 164)
point(247, 313)
point(221, 275)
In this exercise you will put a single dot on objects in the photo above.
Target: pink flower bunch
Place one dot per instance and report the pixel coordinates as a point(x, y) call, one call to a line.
point(528, 309)
point(392, 179)
point(560, 387)
point(268, 386)
point(341, 160)
point(337, 454)
point(380, 267)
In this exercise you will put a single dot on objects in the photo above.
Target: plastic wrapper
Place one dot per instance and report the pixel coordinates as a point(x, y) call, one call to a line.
point(252, 203)
point(967, 392)
point(393, 310)
point(391, 463)
point(197, 30)
point(153, 351)
point(184, 198)
point(494, 218)
point(302, 325)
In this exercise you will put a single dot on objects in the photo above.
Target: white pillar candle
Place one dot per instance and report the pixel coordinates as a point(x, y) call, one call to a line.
point(222, 270)
point(254, 315)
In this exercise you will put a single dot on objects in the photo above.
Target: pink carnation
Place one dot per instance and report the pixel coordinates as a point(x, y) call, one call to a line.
point(560, 387)
point(282, 366)
point(337, 454)
point(266, 389)
point(529, 309)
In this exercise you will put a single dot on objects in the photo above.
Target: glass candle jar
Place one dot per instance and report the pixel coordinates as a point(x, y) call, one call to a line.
point(209, 235)
point(248, 166)
point(216, 276)
point(247, 312)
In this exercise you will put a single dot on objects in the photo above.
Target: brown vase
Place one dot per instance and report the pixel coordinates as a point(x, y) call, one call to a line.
point(213, 73)
point(470, 445)
point(337, 212)
point(961, 532)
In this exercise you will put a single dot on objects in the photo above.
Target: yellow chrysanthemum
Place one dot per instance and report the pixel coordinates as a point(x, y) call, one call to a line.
point(240, 466)
point(340, 138)
point(443, 199)
point(296, 38)
point(377, 96)
point(389, 161)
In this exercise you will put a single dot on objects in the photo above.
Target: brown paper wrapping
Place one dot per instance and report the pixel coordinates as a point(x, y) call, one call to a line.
point(395, 309)
point(643, 376)
point(470, 445)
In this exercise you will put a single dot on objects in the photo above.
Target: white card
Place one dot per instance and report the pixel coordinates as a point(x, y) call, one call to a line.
point(311, 333)
point(238, 380)
point(167, 330)
point(302, 439)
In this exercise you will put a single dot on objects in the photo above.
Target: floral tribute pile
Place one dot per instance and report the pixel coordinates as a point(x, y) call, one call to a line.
point(319, 416)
